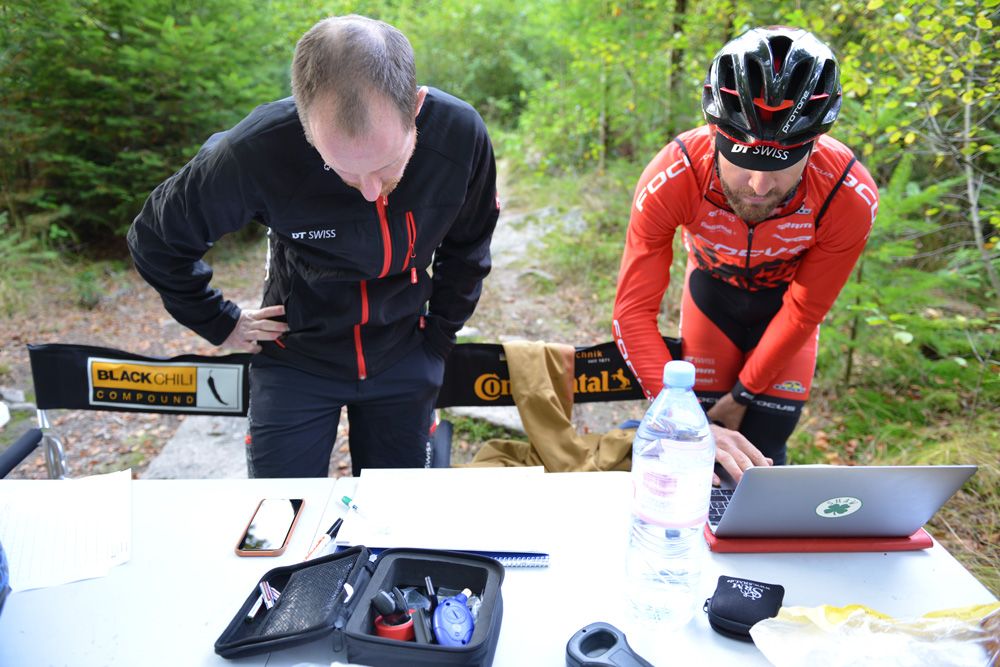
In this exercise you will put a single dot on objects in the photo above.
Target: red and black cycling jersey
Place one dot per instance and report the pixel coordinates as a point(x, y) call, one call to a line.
point(810, 244)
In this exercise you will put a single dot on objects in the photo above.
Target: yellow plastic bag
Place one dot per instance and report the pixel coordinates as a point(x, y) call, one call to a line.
point(856, 636)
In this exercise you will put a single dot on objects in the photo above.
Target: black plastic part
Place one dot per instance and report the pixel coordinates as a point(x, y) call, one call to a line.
point(17, 452)
point(600, 644)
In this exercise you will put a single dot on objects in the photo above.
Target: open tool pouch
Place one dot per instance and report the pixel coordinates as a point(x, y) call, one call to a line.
point(739, 603)
point(332, 596)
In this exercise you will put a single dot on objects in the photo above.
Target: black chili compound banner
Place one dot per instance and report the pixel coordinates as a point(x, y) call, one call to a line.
point(87, 377)
point(166, 385)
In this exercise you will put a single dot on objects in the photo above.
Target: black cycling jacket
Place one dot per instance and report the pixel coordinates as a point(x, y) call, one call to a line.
point(353, 275)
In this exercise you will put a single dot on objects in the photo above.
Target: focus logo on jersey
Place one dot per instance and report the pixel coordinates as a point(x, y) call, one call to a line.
point(659, 178)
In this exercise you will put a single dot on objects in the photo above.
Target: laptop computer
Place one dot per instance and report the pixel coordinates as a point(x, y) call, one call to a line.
point(835, 501)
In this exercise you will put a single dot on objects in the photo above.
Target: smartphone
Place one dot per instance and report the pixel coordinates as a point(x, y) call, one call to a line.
point(270, 527)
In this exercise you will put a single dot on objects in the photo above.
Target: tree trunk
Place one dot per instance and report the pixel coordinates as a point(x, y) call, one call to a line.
point(973, 186)
point(849, 365)
point(675, 57)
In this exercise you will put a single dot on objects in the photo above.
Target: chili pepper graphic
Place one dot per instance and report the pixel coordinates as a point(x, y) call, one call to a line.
point(215, 392)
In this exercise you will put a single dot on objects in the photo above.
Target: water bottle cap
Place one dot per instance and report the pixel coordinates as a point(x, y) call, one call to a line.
point(678, 374)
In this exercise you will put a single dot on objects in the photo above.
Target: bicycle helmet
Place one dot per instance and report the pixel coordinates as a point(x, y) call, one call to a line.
point(773, 86)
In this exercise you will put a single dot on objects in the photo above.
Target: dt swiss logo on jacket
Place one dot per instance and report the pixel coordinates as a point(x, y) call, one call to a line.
point(315, 234)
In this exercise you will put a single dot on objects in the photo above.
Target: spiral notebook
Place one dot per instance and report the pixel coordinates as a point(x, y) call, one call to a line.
point(488, 511)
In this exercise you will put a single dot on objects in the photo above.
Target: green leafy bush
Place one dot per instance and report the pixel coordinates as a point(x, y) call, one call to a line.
point(105, 99)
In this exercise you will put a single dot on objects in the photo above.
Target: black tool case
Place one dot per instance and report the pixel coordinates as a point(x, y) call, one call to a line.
point(332, 596)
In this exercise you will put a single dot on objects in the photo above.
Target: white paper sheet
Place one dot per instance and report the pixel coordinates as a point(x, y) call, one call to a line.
point(474, 509)
point(58, 531)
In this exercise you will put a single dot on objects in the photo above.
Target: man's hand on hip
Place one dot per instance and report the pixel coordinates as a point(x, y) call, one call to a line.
point(735, 453)
point(253, 326)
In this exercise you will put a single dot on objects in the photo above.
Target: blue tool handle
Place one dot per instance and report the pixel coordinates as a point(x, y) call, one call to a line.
point(601, 645)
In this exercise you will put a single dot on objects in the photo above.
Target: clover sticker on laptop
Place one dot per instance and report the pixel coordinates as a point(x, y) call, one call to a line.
point(835, 508)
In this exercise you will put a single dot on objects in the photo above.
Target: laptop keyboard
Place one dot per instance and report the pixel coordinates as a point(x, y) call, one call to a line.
point(717, 504)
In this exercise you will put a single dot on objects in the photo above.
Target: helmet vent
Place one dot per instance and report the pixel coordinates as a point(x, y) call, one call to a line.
point(798, 81)
point(731, 99)
point(780, 46)
point(827, 80)
point(727, 75)
point(756, 77)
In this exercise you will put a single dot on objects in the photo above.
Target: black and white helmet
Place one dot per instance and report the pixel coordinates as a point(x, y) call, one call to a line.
point(774, 86)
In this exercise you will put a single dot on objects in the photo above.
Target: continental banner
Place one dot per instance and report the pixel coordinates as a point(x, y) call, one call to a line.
point(172, 386)
point(477, 375)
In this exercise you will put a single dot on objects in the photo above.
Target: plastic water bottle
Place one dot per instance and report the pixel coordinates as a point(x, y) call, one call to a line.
point(673, 456)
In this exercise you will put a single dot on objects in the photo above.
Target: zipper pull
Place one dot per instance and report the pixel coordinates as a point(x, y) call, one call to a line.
point(413, 275)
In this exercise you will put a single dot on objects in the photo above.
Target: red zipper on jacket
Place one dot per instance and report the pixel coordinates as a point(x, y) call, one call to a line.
point(362, 367)
point(383, 222)
point(411, 235)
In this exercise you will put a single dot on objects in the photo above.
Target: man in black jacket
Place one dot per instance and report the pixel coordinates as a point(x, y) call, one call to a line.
point(380, 201)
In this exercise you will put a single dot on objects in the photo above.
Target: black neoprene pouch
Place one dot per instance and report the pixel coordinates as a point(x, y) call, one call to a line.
point(739, 603)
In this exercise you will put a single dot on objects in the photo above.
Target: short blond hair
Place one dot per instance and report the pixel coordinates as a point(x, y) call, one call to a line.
point(347, 59)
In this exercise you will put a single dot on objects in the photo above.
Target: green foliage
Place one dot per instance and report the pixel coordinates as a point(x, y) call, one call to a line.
point(22, 259)
point(104, 99)
point(933, 66)
point(585, 243)
point(607, 82)
point(476, 50)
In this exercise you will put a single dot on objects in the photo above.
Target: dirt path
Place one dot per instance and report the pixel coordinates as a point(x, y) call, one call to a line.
point(128, 316)
point(514, 306)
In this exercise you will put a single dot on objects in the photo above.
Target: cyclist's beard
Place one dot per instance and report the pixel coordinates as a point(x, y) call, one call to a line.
point(754, 212)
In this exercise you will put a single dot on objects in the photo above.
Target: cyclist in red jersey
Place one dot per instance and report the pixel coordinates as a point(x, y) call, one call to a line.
point(774, 214)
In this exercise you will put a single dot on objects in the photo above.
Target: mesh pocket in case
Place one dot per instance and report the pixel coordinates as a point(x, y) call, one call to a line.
point(739, 603)
point(313, 601)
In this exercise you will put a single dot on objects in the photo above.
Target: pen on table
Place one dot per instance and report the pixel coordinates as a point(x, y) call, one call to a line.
point(351, 505)
point(325, 538)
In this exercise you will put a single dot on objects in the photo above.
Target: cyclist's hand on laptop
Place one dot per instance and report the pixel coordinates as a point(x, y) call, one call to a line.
point(735, 453)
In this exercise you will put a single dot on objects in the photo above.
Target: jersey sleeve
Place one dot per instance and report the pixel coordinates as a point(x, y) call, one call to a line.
point(840, 238)
point(663, 198)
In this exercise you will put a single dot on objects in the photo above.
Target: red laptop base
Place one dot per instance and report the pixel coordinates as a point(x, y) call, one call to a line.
point(918, 540)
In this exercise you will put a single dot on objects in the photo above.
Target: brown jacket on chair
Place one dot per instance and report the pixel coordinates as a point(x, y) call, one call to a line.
point(541, 380)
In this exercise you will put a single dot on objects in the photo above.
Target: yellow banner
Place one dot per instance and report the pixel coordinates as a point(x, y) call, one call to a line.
point(141, 377)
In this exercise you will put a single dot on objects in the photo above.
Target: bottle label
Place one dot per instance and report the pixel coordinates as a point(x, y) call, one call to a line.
point(671, 500)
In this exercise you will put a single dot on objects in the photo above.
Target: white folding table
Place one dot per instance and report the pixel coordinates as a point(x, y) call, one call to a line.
point(168, 604)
